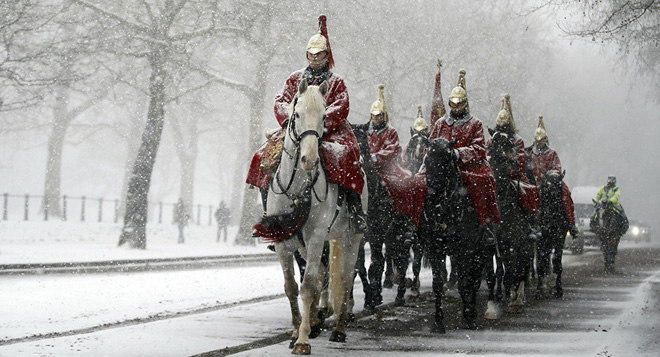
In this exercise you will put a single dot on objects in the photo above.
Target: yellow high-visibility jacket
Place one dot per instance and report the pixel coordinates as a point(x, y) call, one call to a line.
point(611, 194)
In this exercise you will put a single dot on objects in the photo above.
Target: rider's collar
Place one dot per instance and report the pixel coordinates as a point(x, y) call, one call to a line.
point(377, 128)
point(460, 119)
point(537, 150)
point(316, 77)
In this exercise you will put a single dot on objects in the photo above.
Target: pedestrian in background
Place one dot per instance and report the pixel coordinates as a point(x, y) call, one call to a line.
point(180, 218)
point(222, 215)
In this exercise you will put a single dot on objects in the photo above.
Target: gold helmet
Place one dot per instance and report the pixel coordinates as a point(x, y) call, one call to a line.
point(316, 44)
point(320, 42)
point(379, 105)
point(458, 100)
point(505, 116)
point(540, 134)
point(420, 124)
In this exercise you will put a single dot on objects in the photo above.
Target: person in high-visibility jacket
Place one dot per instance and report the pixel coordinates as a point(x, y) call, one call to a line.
point(610, 192)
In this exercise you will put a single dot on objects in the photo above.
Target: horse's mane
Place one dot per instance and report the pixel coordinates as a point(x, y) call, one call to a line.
point(551, 191)
point(441, 168)
point(312, 99)
point(502, 147)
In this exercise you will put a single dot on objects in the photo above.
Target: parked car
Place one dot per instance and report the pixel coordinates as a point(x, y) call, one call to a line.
point(584, 210)
point(638, 231)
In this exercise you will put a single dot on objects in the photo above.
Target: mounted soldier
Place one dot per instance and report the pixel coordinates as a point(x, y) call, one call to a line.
point(390, 197)
point(545, 166)
point(416, 148)
point(339, 148)
point(542, 159)
point(504, 123)
point(461, 126)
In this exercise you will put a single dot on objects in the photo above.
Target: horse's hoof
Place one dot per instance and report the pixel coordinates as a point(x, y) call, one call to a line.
point(387, 284)
point(558, 294)
point(321, 315)
point(516, 309)
point(409, 283)
point(292, 342)
point(302, 349)
point(491, 312)
point(470, 325)
point(399, 301)
point(412, 297)
point(316, 330)
point(438, 328)
point(539, 295)
point(338, 337)
point(350, 316)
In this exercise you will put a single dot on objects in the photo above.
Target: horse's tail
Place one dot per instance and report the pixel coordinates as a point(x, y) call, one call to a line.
point(336, 277)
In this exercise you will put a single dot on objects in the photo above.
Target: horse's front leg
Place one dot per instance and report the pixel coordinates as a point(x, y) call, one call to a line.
point(556, 263)
point(344, 254)
point(436, 258)
point(290, 287)
point(309, 293)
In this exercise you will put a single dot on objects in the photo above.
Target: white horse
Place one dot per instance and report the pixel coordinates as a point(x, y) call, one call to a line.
point(300, 185)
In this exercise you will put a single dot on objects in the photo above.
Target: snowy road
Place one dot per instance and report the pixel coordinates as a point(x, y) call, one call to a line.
point(182, 313)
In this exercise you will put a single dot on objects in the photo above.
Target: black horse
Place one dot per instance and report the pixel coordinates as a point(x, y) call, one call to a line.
point(554, 225)
point(609, 225)
point(450, 225)
point(513, 248)
point(384, 226)
point(414, 157)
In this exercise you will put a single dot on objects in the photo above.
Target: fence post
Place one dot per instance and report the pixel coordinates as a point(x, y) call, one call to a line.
point(27, 206)
point(82, 209)
point(116, 210)
point(100, 209)
point(64, 208)
point(210, 214)
point(160, 212)
point(46, 204)
point(199, 214)
point(4, 206)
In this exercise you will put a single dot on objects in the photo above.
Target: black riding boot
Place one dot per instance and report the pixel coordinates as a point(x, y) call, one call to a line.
point(358, 221)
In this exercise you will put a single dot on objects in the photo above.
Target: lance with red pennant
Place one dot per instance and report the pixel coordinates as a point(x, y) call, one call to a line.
point(438, 109)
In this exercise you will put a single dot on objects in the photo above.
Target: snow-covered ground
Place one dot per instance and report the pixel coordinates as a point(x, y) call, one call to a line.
point(194, 311)
point(56, 241)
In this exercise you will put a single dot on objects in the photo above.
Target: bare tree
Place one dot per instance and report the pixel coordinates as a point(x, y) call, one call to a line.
point(631, 26)
point(158, 36)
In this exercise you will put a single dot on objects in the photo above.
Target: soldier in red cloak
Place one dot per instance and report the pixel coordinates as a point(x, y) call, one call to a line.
point(460, 125)
point(529, 195)
point(543, 159)
point(400, 197)
point(339, 148)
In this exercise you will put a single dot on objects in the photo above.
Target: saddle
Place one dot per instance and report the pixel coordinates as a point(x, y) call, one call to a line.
point(273, 151)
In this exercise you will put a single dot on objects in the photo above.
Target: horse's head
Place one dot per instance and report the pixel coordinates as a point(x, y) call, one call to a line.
point(418, 143)
point(503, 154)
point(307, 122)
point(440, 162)
point(551, 188)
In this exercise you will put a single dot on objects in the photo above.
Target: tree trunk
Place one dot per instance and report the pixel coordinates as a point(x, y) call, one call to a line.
point(135, 219)
point(53, 182)
point(132, 146)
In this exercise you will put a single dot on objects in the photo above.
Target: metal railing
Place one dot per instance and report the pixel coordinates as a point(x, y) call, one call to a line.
point(16, 206)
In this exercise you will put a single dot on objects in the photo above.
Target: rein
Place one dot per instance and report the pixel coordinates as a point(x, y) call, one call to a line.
point(311, 181)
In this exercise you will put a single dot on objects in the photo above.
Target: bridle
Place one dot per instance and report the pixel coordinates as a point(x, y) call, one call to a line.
point(297, 139)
